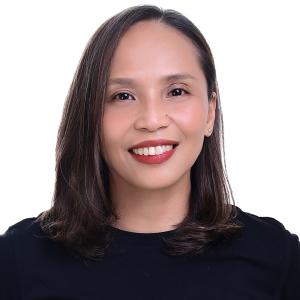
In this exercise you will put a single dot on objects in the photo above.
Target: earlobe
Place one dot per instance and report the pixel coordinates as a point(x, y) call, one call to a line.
point(211, 115)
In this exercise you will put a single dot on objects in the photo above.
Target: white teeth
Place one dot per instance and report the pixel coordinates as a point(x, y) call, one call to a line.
point(158, 150)
point(153, 150)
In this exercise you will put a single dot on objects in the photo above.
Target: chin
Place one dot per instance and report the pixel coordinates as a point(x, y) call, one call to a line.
point(158, 182)
point(155, 184)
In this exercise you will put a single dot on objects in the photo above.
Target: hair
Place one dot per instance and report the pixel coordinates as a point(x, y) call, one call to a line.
point(82, 211)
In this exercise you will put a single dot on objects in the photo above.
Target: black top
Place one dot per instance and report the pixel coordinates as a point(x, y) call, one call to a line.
point(262, 263)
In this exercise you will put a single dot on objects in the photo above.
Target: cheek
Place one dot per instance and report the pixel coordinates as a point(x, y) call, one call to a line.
point(107, 130)
point(192, 120)
point(112, 132)
point(113, 126)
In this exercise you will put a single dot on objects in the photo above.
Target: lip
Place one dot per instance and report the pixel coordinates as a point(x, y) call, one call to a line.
point(153, 159)
point(153, 143)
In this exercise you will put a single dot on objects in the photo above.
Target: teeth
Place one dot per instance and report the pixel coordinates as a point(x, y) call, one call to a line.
point(153, 150)
point(158, 150)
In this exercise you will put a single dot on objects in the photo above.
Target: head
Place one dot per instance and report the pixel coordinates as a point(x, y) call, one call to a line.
point(162, 64)
point(156, 90)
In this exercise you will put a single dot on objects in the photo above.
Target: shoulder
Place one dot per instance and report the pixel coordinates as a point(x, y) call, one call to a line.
point(26, 226)
point(25, 242)
point(22, 233)
point(258, 220)
point(266, 241)
point(22, 229)
point(19, 235)
point(28, 241)
point(264, 234)
point(261, 227)
point(9, 242)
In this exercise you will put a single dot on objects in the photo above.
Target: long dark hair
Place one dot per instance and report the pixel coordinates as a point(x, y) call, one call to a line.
point(82, 210)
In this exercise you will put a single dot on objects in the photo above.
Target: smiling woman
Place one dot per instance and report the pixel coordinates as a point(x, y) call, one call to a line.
point(142, 207)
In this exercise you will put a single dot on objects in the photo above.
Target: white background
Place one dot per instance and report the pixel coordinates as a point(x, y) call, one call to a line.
point(256, 48)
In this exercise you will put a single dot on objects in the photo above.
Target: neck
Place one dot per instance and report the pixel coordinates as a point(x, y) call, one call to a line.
point(149, 211)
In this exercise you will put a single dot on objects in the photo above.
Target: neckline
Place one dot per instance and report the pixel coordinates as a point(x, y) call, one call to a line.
point(156, 238)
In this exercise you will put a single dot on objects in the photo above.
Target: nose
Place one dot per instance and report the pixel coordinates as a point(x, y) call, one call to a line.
point(153, 115)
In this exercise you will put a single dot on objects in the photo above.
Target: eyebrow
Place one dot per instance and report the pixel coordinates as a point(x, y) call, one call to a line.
point(167, 78)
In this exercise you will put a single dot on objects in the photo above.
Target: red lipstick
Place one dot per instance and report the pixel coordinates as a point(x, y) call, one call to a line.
point(153, 159)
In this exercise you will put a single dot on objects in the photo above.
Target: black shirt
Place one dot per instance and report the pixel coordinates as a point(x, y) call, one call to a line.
point(262, 263)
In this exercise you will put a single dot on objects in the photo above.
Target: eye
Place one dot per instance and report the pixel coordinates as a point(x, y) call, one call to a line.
point(123, 96)
point(177, 92)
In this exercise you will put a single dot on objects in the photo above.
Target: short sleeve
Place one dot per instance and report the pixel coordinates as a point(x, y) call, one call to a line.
point(9, 289)
point(291, 286)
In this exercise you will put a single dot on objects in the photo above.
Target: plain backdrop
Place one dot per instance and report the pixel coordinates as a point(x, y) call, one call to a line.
point(256, 49)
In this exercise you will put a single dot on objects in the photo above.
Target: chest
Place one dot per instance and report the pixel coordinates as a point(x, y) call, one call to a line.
point(144, 272)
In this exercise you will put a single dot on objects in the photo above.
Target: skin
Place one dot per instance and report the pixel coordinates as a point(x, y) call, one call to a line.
point(154, 198)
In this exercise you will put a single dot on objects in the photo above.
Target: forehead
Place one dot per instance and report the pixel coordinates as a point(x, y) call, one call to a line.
point(152, 47)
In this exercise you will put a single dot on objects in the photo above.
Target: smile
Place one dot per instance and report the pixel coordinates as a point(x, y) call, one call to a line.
point(154, 151)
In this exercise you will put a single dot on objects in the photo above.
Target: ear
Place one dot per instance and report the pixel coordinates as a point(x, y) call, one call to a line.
point(211, 115)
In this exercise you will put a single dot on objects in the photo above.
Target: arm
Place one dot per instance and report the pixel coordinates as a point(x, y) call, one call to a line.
point(291, 286)
point(9, 289)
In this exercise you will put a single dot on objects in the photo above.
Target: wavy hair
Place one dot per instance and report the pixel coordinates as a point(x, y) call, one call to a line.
point(82, 211)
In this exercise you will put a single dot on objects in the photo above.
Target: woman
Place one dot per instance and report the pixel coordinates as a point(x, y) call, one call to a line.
point(141, 206)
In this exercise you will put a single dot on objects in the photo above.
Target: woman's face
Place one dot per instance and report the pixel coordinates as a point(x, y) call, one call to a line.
point(156, 96)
